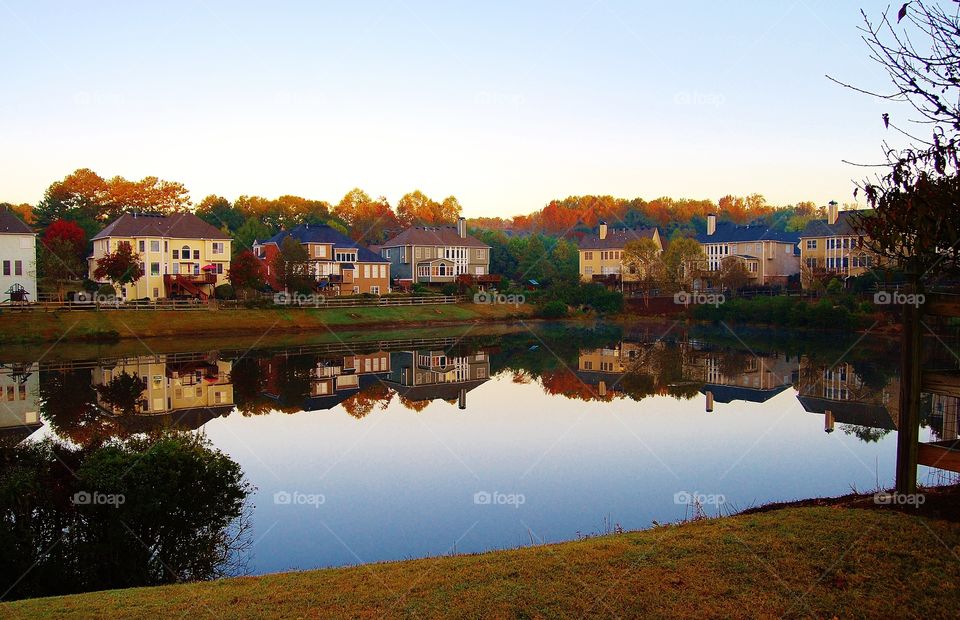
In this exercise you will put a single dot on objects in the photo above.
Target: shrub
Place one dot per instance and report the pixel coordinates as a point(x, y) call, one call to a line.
point(107, 290)
point(224, 291)
point(554, 310)
point(450, 289)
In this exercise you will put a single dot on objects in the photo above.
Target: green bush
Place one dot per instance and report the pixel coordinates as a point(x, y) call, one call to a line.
point(554, 310)
point(224, 291)
point(450, 289)
point(107, 290)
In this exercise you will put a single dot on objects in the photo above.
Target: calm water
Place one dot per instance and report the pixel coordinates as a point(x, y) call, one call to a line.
point(457, 442)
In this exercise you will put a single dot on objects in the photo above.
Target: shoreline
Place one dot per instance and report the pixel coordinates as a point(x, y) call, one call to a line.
point(108, 327)
point(868, 559)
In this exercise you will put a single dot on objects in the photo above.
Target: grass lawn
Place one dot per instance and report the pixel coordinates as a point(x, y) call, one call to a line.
point(31, 327)
point(793, 562)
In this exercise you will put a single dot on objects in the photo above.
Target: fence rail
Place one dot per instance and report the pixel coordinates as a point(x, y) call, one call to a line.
point(292, 301)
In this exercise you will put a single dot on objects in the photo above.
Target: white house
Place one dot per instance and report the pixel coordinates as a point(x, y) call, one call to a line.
point(18, 257)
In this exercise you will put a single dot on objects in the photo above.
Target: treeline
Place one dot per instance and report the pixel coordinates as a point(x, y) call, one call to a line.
point(92, 201)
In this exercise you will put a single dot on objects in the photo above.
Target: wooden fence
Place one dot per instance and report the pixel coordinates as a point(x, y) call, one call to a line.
point(292, 301)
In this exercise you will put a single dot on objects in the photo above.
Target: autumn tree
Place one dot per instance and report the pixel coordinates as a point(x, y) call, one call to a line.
point(642, 258)
point(684, 262)
point(61, 255)
point(246, 272)
point(217, 211)
point(733, 274)
point(121, 267)
point(291, 265)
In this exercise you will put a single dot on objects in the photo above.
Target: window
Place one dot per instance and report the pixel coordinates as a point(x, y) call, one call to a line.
point(196, 255)
point(156, 292)
point(219, 268)
point(143, 245)
point(587, 271)
point(155, 245)
point(154, 269)
point(811, 244)
point(185, 252)
point(366, 271)
point(418, 253)
point(218, 247)
point(196, 269)
point(176, 268)
point(346, 256)
point(18, 268)
point(480, 254)
point(386, 253)
point(356, 290)
point(375, 290)
point(812, 263)
point(176, 254)
point(588, 256)
point(383, 271)
point(165, 246)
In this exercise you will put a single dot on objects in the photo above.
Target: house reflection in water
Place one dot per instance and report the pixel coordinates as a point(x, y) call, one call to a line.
point(311, 382)
point(176, 392)
point(842, 396)
point(425, 375)
point(19, 414)
point(735, 375)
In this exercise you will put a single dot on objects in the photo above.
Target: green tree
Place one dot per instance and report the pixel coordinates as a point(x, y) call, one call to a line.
point(290, 266)
point(684, 262)
point(251, 230)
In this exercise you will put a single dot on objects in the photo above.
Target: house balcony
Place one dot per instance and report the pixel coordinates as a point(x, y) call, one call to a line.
point(472, 279)
point(189, 278)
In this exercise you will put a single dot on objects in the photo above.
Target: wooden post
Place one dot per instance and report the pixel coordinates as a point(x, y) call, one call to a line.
point(908, 431)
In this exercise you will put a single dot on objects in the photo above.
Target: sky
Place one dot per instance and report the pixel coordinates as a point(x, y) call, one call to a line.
point(504, 105)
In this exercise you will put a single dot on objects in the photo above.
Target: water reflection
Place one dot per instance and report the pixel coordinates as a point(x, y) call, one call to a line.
point(399, 434)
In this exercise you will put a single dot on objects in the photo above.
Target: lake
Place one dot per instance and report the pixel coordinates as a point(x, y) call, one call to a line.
point(366, 448)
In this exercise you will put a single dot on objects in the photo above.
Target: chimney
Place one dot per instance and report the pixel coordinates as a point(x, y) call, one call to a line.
point(709, 396)
point(462, 398)
point(603, 229)
point(711, 223)
point(832, 212)
point(462, 227)
point(828, 421)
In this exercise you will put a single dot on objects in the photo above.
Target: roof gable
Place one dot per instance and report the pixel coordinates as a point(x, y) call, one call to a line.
point(433, 235)
point(322, 233)
point(10, 224)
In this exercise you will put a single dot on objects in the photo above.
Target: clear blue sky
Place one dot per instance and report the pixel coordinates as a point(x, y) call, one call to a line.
point(505, 105)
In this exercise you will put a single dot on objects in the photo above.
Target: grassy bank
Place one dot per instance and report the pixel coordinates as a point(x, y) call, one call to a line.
point(795, 562)
point(34, 327)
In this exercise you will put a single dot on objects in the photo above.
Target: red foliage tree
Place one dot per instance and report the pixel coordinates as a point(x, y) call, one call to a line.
point(246, 271)
point(68, 231)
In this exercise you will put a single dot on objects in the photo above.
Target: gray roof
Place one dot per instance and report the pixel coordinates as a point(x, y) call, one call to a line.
point(820, 228)
point(11, 224)
point(433, 235)
point(177, 225)
point(322, 233)
point(616, 238)
point(728, 232)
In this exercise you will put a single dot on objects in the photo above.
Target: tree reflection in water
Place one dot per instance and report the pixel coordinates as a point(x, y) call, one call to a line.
point(142, 511)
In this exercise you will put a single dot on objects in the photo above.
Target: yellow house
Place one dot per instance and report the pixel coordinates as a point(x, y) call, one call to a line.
point(180, 254)
point(833, 248)
point(769, 256)
point(601, 255)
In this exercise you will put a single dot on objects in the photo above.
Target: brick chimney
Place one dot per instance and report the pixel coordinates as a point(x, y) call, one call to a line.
point(832, 212)
point(462, 227)
point(711, 223)
point(603, 229)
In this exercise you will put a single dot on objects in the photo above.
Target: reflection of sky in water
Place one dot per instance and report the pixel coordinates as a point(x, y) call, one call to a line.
point(399, 484)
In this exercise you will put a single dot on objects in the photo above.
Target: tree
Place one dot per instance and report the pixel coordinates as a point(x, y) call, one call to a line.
point(565, 260)
point(123, 394)
point(121, 267)
point(733, 274)
point(246, 271)
point(643, 258)
point(369, 220)
point(68, 231)
point(252, 230)
point(684, 262)
point(60, 264)
point(217, 211)
point(290, 266)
